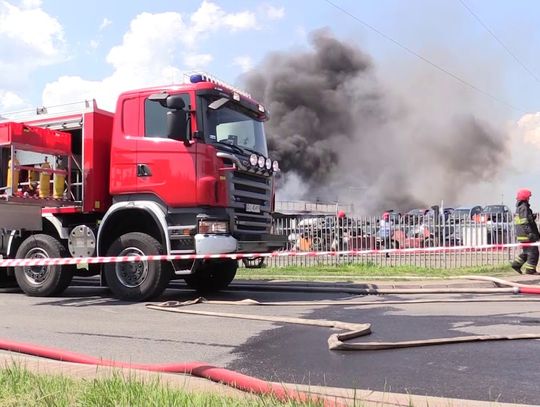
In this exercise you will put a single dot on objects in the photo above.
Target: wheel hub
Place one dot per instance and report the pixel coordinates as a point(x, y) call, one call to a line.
point(132, 274)
point(36, 275)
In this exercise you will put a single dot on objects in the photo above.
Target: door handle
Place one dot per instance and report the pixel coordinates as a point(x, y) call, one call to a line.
point(143, 170)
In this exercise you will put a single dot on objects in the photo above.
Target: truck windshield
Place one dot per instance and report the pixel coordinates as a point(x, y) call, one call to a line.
point(235, 125)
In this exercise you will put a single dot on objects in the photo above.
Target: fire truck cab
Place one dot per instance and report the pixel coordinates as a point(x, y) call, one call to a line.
point(175, 170)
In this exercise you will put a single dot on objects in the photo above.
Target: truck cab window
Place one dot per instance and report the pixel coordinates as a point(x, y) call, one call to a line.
point(155, 117)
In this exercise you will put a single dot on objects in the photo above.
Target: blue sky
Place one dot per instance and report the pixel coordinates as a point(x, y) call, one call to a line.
point(61, 51)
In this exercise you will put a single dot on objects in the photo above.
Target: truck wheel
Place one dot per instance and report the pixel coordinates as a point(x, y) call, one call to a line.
point(140, 280)
point(42, 281)
point(213, 276)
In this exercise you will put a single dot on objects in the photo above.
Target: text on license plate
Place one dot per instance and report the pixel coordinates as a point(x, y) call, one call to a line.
point(253, 208)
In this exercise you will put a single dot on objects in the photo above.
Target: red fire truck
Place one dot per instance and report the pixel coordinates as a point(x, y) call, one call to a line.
point(178, 169)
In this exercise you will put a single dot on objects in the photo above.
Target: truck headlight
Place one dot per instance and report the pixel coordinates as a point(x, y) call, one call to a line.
point(262, 161)
point(213, 227)
point(268, 164)
point(253, 159)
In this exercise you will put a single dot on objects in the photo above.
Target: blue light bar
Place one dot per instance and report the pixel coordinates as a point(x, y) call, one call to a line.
point(196, 78)
point(204, 77)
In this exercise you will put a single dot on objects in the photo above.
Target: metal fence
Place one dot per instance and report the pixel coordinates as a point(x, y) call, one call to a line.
point(328, 233)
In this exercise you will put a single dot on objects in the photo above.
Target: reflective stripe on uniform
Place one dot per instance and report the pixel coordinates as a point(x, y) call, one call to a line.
point(522, 239)
point(529, 266)
point(520, 221)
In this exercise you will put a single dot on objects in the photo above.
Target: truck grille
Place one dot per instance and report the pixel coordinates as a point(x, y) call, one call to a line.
point(250, 192)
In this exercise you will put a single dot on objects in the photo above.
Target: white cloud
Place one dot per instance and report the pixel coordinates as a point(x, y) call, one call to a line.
point(31, 3)
point(274, 13)
point(240, 21)
point(104, 24)
point(145, 57)
point(210, 18)
point(529, 128)
point(94, 44)
point(10, 101)
point(244, 62)
point(32, 28)
point(149, 53)
point(70, 89)
point(31, 37)
point(197, 61)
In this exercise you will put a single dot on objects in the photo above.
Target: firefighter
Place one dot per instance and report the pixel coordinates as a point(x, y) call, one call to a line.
point(526, 232)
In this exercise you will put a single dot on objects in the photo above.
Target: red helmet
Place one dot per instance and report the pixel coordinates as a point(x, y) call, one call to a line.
point(523, 194)
point(386, 215)
point(341, 214)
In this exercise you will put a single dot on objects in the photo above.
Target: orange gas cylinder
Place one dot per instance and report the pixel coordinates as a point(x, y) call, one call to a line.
point(45, 180)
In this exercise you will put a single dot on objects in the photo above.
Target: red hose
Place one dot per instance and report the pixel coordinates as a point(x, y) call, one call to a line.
point(529, 290)
point(215, 374)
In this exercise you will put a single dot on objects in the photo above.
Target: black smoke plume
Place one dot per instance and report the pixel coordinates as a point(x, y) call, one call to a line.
point(339, 134)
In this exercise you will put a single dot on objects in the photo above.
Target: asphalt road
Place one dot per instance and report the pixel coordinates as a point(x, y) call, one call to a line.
point(87, 320)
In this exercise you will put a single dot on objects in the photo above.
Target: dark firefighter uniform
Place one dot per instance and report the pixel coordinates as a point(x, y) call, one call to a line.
point(526, 232)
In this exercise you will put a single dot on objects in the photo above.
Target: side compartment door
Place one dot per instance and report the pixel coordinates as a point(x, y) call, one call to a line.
point(165, 167)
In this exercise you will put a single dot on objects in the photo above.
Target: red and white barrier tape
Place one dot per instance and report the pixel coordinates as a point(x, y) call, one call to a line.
point(238, 256)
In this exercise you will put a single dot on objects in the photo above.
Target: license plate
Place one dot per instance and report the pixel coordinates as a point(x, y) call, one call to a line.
point(254, 208)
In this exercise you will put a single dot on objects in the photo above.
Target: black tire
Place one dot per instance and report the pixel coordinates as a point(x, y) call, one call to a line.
point(136, 281)
point(43, 281)
point(212, 276)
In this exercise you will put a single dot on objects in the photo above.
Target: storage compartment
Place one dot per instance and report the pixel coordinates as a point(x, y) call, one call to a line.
point(37, 139)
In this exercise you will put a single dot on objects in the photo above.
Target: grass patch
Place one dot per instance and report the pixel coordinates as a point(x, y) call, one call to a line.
point(351, 272)
point(20, 387)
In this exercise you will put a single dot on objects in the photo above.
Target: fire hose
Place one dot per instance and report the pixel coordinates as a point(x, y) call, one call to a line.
point(216, 374)
point(337, 341)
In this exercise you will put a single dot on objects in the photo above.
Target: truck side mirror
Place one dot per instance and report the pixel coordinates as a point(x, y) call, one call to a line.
point(177, 121)
point(175, 102)
point(177, 118)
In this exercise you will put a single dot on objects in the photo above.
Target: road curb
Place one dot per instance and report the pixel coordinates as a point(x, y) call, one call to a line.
point(369, 398)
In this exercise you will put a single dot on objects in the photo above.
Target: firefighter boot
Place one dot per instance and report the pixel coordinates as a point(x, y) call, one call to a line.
point(529, 268)
point(516, 265)
point(518, 262)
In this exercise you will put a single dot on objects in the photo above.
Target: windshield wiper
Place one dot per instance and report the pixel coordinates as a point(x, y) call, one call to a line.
point(233, 147)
